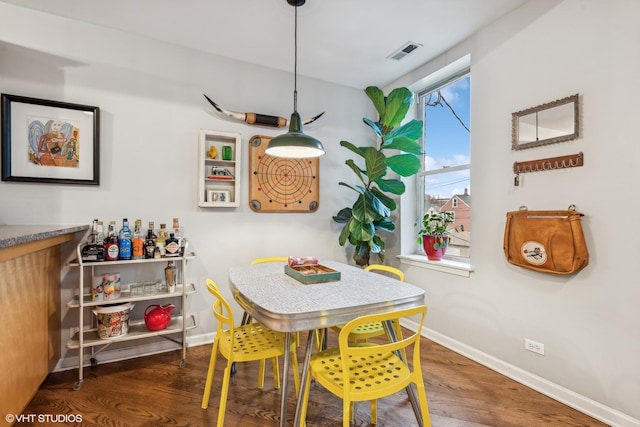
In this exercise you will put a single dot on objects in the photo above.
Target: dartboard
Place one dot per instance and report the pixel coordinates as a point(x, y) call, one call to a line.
point(281, 185)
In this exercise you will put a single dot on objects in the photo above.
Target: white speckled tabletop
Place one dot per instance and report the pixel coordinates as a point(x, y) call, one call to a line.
point(284, 304)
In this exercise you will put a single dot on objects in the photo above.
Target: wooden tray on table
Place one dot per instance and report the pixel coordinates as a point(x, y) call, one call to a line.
point(313, 273)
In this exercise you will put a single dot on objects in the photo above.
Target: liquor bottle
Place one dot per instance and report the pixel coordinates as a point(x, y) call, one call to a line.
point(170, 275)
point(102, 252)
point(149, 245)
point(125, 240)
point(172, 247)
point(153, 231)
point(137, 243)
point(179, 234)
point(93, 250)
point(111, 244)
point(161, 240)
point(101, 236)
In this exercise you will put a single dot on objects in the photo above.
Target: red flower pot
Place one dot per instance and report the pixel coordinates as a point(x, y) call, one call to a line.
point(434, 246)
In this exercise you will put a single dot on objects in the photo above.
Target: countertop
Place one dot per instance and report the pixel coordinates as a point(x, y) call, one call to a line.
point(12, 235)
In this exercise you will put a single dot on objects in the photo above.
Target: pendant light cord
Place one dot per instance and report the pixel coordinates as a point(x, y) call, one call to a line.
point(295, 61)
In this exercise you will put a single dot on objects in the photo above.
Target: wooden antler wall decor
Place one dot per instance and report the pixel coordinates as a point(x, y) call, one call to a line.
point(259, 119)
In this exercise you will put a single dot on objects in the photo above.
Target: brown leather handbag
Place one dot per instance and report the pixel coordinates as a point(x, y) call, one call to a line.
point(546, 241)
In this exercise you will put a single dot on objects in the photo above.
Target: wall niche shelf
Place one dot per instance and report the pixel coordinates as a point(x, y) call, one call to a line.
point(219, 177)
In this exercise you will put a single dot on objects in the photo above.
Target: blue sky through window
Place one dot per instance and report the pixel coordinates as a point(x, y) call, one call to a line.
point(447, 140)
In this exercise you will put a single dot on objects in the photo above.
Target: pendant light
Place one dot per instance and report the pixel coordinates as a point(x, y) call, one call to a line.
point(295, 144)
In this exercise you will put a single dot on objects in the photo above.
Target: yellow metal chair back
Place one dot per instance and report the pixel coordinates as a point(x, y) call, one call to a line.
point(374, 329)
point(270, 259)
point(386, 268)
point(366, 372)
point(252, 342)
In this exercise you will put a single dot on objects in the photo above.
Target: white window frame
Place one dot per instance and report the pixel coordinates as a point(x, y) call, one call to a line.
point(411, 254)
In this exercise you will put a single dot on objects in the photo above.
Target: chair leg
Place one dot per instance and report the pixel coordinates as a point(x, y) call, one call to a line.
point(305, 400)
point(261, 374)
point(276, 372)
point(424, 406)
point(223, 394)
point(374, 412)
point(210, 371)
point(346, 409)
point(296, 372)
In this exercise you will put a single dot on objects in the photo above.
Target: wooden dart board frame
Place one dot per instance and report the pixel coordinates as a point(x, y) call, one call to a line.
point(281, 185)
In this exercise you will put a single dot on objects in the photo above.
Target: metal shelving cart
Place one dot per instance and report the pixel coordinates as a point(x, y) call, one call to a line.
point(87, 334)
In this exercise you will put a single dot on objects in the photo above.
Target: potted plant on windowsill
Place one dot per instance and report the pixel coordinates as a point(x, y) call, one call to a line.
point(434, 233)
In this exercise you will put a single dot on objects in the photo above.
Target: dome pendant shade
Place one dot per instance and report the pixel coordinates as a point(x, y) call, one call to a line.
point(294, 144)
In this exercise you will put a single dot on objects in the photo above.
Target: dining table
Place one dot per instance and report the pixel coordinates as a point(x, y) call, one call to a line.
point(283, 303)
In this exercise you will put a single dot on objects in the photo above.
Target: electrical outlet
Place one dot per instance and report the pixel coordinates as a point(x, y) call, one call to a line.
point(534, 346)
point(72, 331)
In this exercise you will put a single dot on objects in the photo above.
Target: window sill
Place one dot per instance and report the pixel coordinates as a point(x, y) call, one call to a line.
point(459, 268)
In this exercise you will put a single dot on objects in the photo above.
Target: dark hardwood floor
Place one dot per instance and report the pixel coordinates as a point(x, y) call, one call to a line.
point(155, 391)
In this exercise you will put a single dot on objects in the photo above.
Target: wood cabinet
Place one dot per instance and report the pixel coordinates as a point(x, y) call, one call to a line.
point(30, 305)
point(219, 155)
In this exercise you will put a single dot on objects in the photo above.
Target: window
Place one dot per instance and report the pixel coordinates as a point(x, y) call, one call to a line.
point(445, 110)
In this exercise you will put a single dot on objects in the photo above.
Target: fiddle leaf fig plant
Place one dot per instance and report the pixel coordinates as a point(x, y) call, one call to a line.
point(396, 150)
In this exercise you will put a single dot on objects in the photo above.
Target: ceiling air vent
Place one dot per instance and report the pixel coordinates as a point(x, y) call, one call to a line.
point(405, 50)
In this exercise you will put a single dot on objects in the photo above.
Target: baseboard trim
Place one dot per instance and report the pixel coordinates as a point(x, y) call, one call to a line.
point(570, 398)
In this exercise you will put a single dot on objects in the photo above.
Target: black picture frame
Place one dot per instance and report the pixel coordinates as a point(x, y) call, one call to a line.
point(50, 142)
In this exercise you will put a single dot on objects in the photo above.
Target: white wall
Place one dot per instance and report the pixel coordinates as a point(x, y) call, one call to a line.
point(150, 96)
point(587, 322)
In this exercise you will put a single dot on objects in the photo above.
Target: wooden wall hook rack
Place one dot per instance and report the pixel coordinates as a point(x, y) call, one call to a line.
point(551, 163)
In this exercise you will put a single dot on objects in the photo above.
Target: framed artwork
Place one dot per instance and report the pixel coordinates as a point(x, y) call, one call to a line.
point(219, 196)
point(50, 142)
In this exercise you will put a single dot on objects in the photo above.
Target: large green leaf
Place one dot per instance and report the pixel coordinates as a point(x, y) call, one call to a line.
point(361, 231)
point(379, 203)
point(357, 190)
point(361, 255)
point(412, 129)
point(352, 147)
point(377, 97)
point(402, 143)
point(362, 210)
point(343, 216)
point(356, 170)
point(393, 186)
point(404, 164)
point(385, 225)
point(388, 202)
point(375, 163)
point(374, 246)
point(397, 104)
point(373, 125)
point(344, 233)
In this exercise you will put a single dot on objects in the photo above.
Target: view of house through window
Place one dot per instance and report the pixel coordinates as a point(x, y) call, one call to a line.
point(445, 110)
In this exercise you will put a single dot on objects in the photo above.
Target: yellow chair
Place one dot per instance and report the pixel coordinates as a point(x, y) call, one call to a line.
point(374, 329)
point(367, 371)
point(252, 342)
point(270, 259)
point(245, 317)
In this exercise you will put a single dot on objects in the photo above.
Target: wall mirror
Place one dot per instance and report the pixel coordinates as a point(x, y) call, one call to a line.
point(556, 121)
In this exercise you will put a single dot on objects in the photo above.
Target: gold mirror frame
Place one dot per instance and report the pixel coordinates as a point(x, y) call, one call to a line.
point(552, 112)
